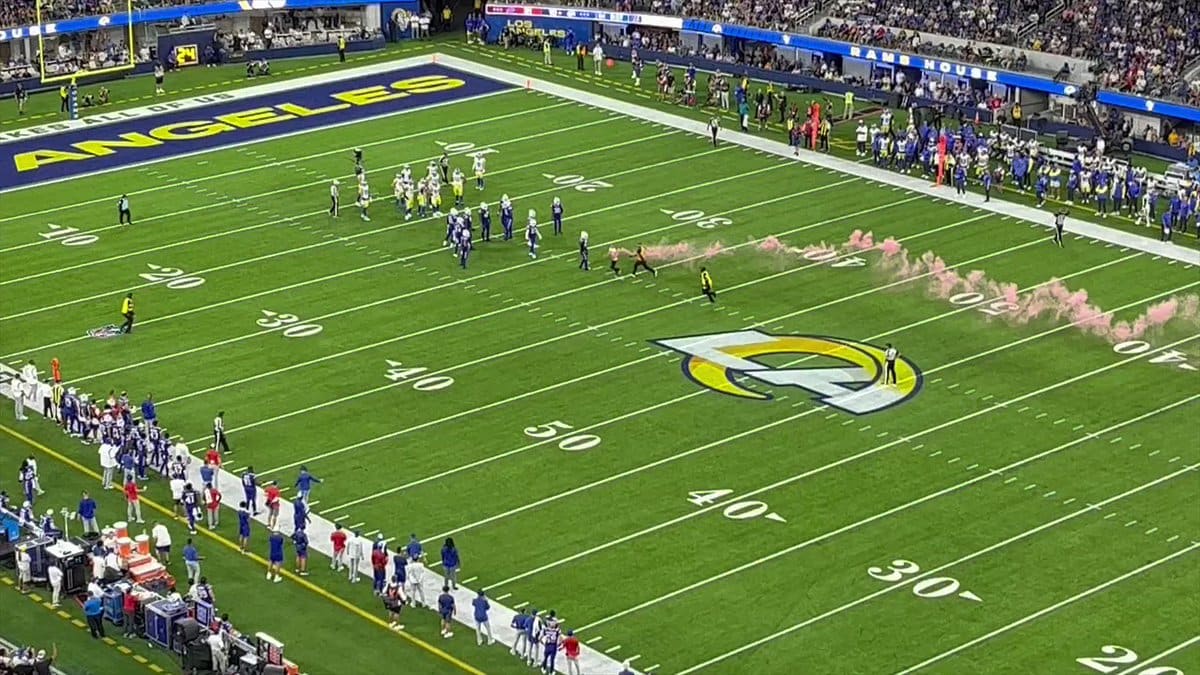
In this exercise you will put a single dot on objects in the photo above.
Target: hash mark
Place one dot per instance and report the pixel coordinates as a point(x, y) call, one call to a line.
point(1131, 523)
point(951, 461)
point(1153, 453)
point(1172, 538)
point(519, 606)
point(592, 641)
point(1049, 494)
point(935, 453)
point(1068, 501)
point(1152, 530)
point(1111, 515)
point(973, 466)
point(1030, 486)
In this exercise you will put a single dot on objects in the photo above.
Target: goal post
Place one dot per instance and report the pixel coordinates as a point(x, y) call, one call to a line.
point(84, 71)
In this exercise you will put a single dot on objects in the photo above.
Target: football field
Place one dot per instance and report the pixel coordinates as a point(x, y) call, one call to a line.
point(694, 486)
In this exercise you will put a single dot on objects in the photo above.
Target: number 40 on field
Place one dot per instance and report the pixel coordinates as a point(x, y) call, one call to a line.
point(746, 509)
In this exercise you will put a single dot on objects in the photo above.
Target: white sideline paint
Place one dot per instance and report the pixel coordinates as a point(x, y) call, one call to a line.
point(700, 392)
point(385, 66)
point(992, 473)
point(981, 552)
point(465, 279)
point(206, 100)
point(246, 169)
point(855, 457)
point(342, 239)
point(286, 219)
point(699, 128)
point(1052, 608)
point(319, 529)
point(1150, 660)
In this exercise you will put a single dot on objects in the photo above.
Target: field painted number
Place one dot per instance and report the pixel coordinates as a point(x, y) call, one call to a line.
point(1115, 657)
point(175, 277)
point(570, 443)
point(578, 182)
point(933, 587)
point(742, 510)
point(68, 236)
point(698, 218)
point(396, 372)
point(460, 148)
point(294, 327)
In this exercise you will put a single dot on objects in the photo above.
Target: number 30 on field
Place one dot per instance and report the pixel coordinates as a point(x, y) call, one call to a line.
point(569, 442)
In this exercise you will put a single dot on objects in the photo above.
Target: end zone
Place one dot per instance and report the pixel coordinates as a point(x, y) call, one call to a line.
point(109, 141)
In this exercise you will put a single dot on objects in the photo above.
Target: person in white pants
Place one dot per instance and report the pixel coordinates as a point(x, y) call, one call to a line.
point(54, 574)
point(220, 660)
point(416, 580)
point(355, 548)
point(597, 58)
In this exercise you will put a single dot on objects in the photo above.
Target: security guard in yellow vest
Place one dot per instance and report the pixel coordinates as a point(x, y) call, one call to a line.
point(62, 98)
point(127, 312)
point(342, 48)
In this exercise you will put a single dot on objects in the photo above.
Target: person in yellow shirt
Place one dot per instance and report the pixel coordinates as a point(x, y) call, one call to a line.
point(706, 285)
point(62, 98)
point(342, 48)
point(546, 59)
point(848, 110)
point(127, 312)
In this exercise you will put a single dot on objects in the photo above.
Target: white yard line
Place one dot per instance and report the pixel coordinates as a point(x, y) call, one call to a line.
point(339, 240)
point(678, 399)
point(457, 322)
point(387, 228)
point(881, 515)
point(319, 212)
point(837, 164)
point(258, 167)
point(1045, 610)
point(1150, 660)
point(845, 460)
point(492, 357)
point(907, 582)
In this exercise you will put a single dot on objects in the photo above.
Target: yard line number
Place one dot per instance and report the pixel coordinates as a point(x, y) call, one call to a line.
point(933, 587)
point(174, 277)
point(698, 218)
point(578, 182)
point(460, 148)
point(397, 372)
point(1116, 657)
point(68, 236)
point(571, 442)
point(292, 326)
point(744, 510)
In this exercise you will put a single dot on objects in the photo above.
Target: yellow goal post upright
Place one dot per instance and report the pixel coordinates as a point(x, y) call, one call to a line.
point(104, 22)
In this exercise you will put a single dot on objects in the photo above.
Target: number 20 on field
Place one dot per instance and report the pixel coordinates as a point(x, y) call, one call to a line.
point(1117, 658)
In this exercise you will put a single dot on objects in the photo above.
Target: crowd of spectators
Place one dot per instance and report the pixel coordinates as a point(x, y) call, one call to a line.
point(80, 51)
point(910, 40)
point(998, 21)
point(782, 15)
point(23, 13)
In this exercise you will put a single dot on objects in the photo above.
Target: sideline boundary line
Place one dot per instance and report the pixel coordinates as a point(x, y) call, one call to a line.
point(233, 547)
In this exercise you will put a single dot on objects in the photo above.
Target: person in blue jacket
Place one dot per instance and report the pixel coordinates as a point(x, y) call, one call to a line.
point(450, 562)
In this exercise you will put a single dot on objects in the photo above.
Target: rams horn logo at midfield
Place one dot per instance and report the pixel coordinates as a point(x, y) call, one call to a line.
point(719, 360)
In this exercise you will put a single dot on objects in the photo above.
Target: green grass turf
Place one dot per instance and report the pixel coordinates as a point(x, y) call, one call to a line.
point(607, 536)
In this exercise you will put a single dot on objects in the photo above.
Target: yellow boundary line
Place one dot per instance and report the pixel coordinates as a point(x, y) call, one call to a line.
point(37, 599)
point(304, 583)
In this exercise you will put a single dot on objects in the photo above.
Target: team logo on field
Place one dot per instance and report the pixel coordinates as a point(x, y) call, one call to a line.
point(103, 332)
point(724, 362)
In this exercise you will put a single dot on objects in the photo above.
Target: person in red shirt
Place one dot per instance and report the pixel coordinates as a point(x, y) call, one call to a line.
point(212, 501)
point(129, 608)
point(133, 503)
point(571, 647)
point(379, 561)
point(54, 370)
point(212, 458)
point(339, 548)
point(272, 499)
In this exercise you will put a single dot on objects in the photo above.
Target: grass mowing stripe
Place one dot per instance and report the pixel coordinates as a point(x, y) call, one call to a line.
point(520, 349)
point(267, 165)
point(1041, 612)
point(286, 219)
point(992, 473)
point(388, 228)
point(855, 457)
point(235, 548)
point(454, 282)
point(684, 397)
point(340, 239)
point(1141, 666)
point(971, 556)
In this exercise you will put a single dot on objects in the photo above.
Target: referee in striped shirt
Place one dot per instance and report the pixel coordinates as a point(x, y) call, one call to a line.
point(889, 356)
point(219, 433)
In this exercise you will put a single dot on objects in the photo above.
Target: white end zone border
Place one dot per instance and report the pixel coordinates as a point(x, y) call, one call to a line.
point(999, 207)
point(591, 661)
point(204, 100)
